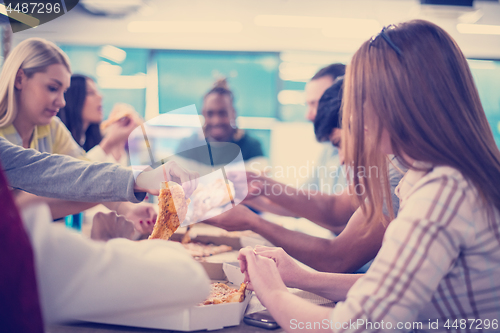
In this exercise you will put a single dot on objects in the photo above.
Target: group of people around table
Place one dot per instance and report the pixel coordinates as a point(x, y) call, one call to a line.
point(429, 217)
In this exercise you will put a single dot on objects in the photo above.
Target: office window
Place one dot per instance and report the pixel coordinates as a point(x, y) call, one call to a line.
point(184, 77)
point(120, 73)
point(487, 77)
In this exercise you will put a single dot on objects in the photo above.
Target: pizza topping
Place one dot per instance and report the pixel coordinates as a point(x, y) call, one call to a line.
point(222, 293)
point(199, 250)
point(172, 210)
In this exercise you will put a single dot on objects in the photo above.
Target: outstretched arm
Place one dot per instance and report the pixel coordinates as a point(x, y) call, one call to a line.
point(346, 253)
point(323, 209)
point(64, 177)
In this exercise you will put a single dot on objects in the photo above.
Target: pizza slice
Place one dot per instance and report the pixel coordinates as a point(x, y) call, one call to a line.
point(207, 197)
point(173, 207)
point(221, 293)
point(198, 250)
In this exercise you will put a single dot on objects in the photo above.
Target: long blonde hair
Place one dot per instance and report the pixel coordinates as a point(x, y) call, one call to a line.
point(415, 83)
point(32, 55)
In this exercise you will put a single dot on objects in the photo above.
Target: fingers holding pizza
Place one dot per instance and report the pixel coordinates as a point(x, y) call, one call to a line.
point(173, 207)
point(291, 273)
point(262, 274)
point(150, 179)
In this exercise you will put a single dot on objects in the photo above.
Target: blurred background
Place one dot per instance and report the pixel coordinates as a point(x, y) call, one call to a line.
point(161, 55)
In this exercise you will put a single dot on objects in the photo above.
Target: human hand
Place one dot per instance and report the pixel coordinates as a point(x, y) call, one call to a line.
point(256, 185)
point(262, 274)
point(291, 273)
point(142, 215)
point(235, 219)
point(117, 133)
point(247, 185)
point(106, 226)
point(150, 180)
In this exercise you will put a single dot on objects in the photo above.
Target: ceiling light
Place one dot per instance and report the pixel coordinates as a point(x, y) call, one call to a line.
point(479, 29)
point(262, 123)
point(113, 53)
point(471, 17)
point(137, 81)
point(104, 68)
point(314, 58)
point(351, 28)
point(289, 21)
point(333, 27)
point(291, 97)
point(298, 72)
point(481, 64)
point(222, 27)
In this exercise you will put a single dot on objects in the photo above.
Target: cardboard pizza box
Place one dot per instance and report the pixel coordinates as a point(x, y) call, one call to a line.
point(207, 234)
point(217, 265)
point(204, 317)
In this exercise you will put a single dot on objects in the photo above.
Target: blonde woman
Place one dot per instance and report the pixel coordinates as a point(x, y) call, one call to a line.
point(32, 84)
point(409, 92)
point(33, 80)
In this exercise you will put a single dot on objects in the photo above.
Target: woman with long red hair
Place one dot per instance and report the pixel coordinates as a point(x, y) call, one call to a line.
point(408, 92)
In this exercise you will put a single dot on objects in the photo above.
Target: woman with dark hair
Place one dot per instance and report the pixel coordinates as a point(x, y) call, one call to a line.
point(85, 131)
point(408, 92)
point(83, 115)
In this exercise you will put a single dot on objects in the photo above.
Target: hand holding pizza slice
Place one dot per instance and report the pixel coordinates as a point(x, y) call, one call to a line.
point(173, 207)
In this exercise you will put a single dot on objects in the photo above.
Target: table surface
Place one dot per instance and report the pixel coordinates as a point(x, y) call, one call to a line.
point(102, 328)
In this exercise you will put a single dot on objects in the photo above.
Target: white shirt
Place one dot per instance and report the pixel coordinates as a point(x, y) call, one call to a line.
point(81, 279)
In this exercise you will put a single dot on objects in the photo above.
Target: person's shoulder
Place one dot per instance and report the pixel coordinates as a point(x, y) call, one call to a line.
point(56, 122)
point(8, 130)
point(249, 139)
point(50, 129)
point(56, 128)
point(440, 180)
point(189, 142)
point(446, 174)
point(193, 138)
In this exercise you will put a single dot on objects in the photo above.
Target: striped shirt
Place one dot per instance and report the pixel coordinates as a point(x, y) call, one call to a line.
point(439, 264)
point(53, 138)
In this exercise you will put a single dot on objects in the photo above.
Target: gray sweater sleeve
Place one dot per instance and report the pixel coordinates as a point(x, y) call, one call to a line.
point(64, 177)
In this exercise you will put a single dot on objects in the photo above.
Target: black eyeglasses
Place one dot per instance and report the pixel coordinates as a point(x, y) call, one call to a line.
point(387, 39)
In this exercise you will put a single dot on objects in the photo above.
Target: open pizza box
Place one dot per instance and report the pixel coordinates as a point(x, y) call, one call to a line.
point(204, 317)
point(207, 234)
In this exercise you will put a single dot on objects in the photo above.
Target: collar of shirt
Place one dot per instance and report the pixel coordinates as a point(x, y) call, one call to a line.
point(11, 134)
point(413, 175)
